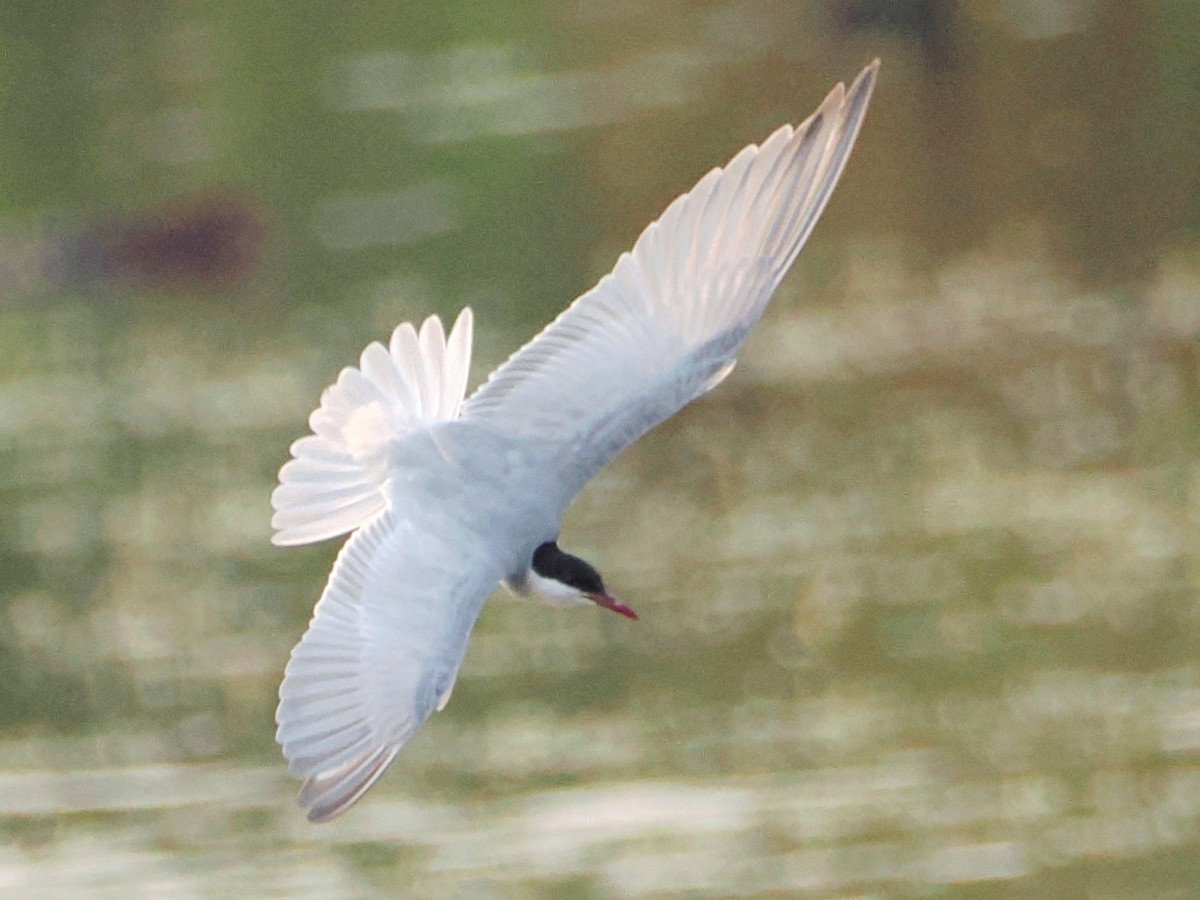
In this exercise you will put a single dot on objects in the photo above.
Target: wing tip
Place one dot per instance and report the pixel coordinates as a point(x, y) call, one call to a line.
point(858, 95)
point(326, 795)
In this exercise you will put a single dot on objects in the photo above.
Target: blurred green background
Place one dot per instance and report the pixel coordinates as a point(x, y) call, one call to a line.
point(918, 584)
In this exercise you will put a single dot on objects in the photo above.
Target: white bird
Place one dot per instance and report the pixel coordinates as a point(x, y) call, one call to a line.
point(448, 499)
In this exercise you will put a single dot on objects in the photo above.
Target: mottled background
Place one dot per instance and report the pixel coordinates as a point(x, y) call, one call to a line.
point(918, 584)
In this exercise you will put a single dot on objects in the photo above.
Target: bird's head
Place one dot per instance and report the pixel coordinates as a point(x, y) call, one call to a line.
point(562, 579)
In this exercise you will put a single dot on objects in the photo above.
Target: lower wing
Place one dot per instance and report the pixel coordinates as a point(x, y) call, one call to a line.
point(380, 655)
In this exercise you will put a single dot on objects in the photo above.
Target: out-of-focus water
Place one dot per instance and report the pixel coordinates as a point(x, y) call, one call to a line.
point(918, 584)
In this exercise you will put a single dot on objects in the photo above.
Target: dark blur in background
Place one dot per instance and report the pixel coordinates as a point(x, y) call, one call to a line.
point(918, 585)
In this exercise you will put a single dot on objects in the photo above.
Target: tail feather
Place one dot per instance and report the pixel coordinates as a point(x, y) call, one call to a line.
point(333, 482)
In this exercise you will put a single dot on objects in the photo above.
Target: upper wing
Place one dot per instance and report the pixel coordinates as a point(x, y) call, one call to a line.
point(333, 484)
point(666, 323)
point(381, 653)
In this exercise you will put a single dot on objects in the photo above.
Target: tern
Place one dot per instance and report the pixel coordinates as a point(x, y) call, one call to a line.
point(446, 497)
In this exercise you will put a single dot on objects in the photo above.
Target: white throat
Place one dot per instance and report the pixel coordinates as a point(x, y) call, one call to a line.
point(551, 591)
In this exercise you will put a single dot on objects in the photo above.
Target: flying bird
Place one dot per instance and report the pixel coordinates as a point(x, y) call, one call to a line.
point(445, 498)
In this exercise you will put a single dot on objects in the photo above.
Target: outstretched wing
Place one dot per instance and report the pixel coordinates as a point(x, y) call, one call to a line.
point(334, 482)
point(380, 655)
point(664, 326)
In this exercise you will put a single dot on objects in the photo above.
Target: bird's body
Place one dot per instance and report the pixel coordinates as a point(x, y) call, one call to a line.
point(447, 498)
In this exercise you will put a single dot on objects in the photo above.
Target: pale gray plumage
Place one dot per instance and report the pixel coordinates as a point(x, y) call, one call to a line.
point(446, 499)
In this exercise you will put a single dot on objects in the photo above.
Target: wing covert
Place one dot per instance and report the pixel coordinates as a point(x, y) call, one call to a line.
point(665, 325)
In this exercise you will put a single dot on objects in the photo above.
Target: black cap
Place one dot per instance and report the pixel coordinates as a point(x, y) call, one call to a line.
point(550, 562)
